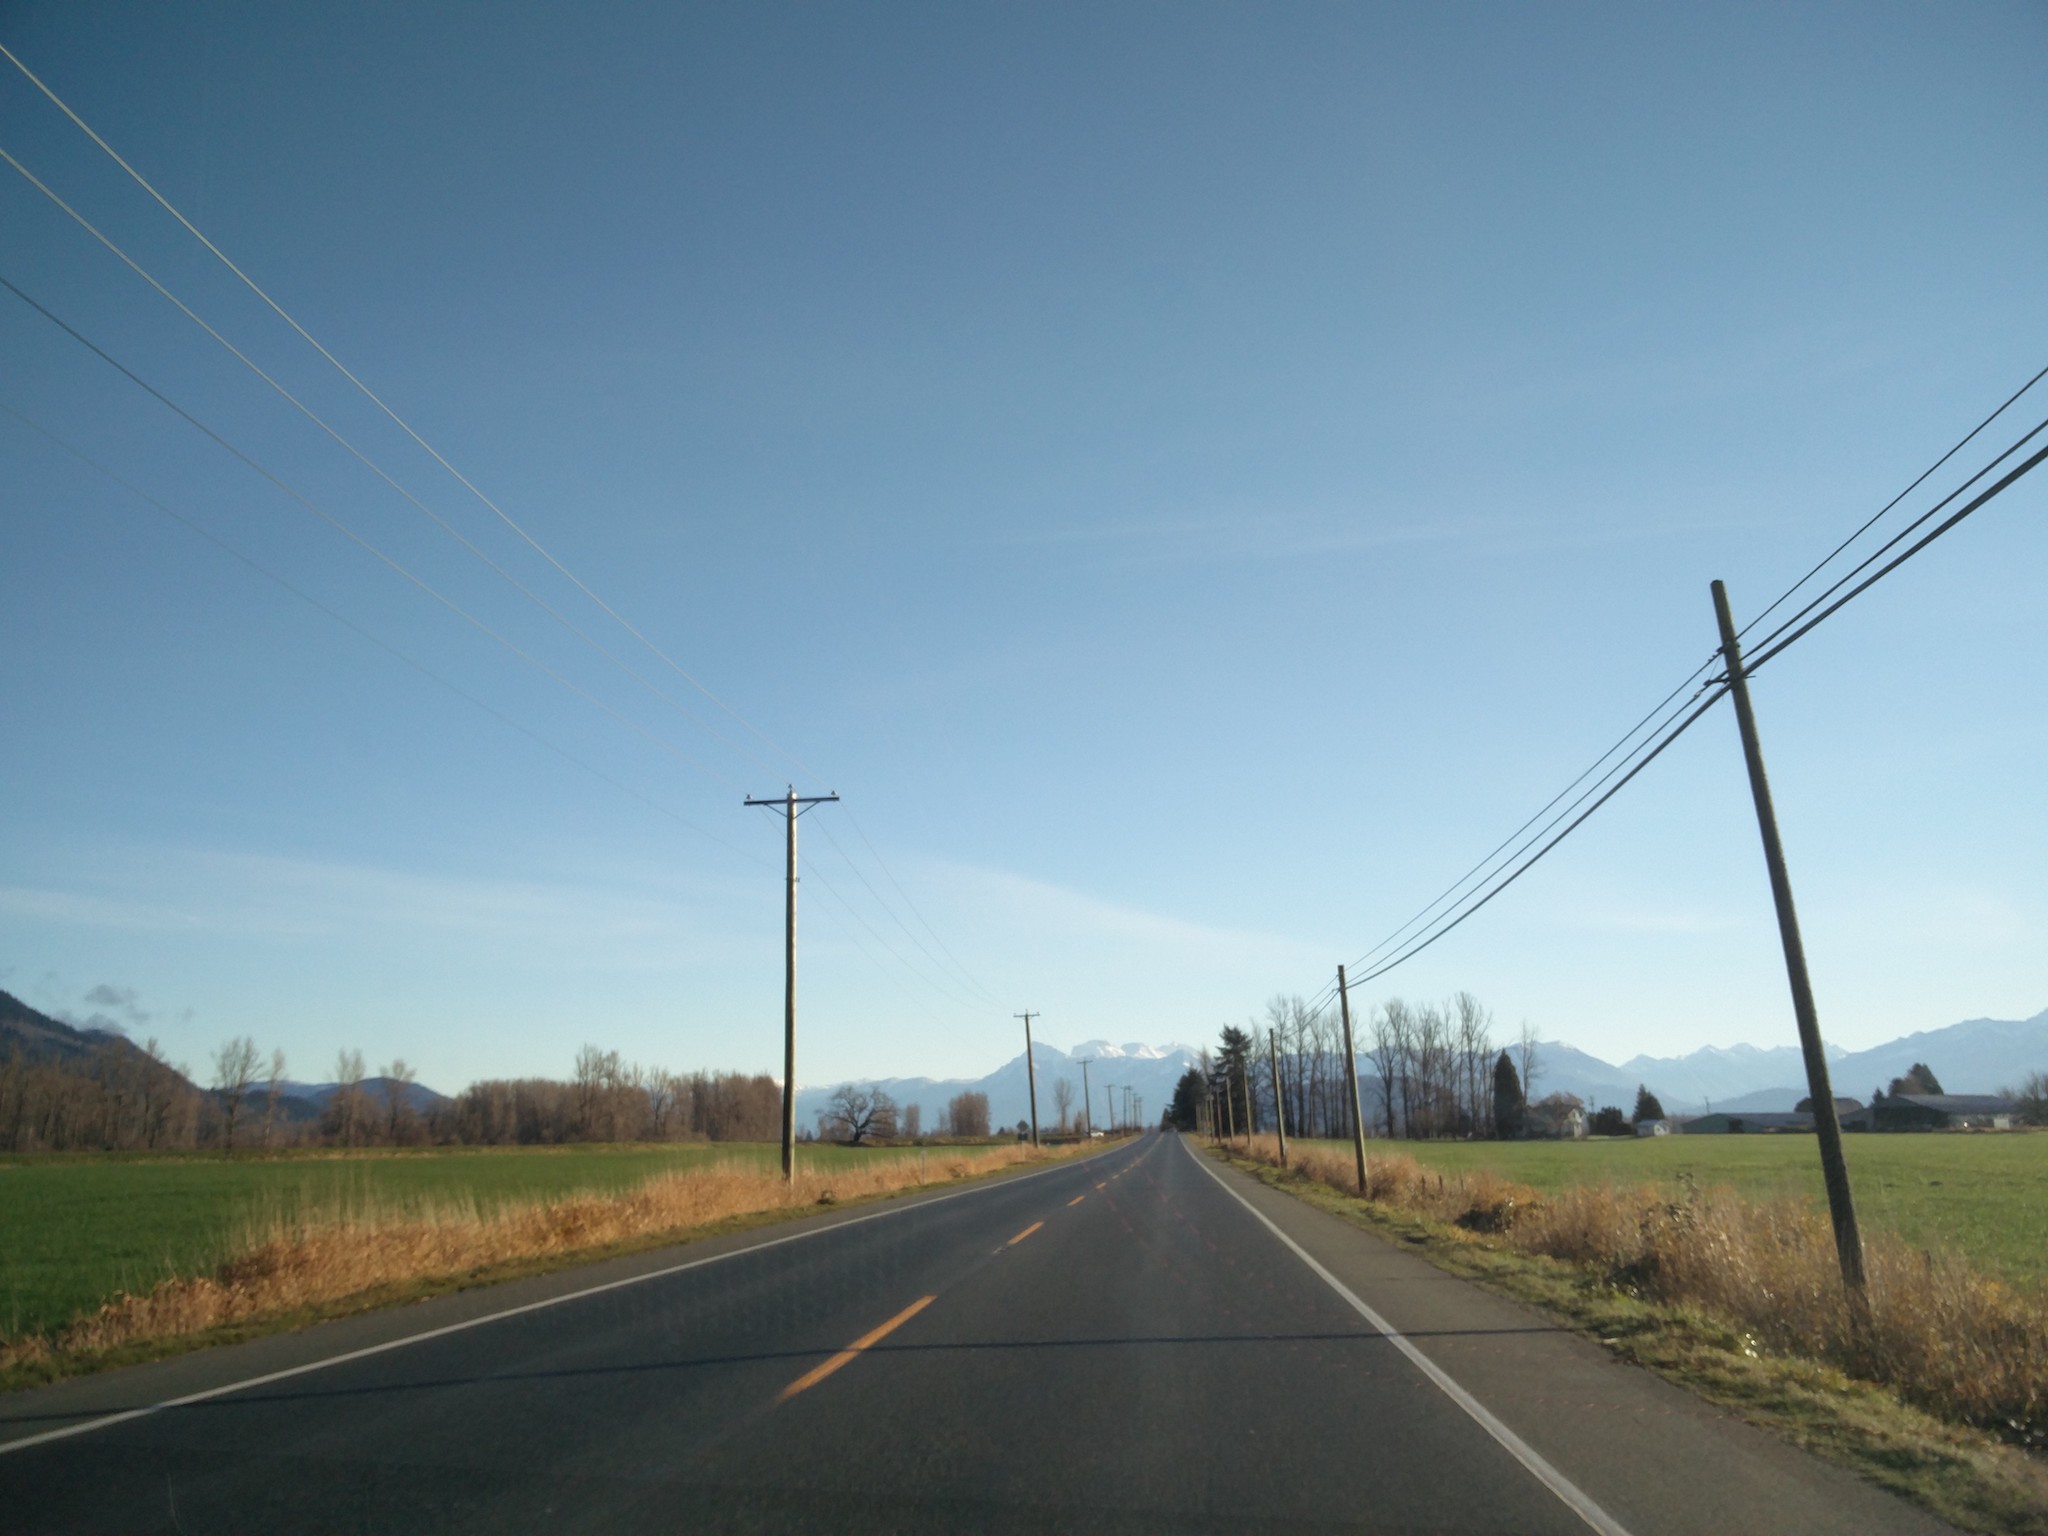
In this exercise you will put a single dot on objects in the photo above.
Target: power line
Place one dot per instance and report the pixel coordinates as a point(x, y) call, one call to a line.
point(397, 420)
point(880, 863)
point(349, 624)
point(317, 420)
point(1960, 444)
point(943, 985)
point(364, 459)
point(1456, 885)
point(1528, 864)
point(1772, 644)
point(343, 528)
point(1641, 756)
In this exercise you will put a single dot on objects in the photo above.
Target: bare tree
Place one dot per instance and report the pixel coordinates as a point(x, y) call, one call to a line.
point(398, 1077)
point(270, 1091)
point(1475, 1051)
point(858, 1113)
point(1062, 1100)
point(344, 1110)
point(1525, 1054)
point(912, 1121)
point(234, 1069)
point(967, 1114)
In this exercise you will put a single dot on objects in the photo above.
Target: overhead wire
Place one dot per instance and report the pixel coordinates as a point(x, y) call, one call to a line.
point(346, 531)
point(1786, 632)
point(406, 427)
point(944, 985)
point(882, 864)
point(400, 422)
point(363, 458)
point(228, 548)
point(1872, 521)
point(1626, 737)
point(1494, 882)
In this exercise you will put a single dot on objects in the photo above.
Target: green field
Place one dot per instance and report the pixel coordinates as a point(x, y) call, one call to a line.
point(1984, 1196)
point(76, 1229)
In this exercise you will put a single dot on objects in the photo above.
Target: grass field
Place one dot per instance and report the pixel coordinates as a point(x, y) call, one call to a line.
point(77, 1229)
point(1984, 1197)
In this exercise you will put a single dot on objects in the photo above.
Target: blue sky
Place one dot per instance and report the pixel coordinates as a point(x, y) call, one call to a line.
point(1192, 478)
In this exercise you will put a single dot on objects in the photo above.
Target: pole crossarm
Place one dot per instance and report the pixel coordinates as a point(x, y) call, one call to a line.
point(784, 803)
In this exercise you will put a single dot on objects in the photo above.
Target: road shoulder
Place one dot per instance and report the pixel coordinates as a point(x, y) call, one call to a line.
point(1655, 1456)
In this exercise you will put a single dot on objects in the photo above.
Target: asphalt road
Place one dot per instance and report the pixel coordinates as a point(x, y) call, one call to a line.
point(1136, 1342)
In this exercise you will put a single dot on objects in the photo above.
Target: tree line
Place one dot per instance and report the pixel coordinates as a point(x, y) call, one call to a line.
point(122, 1097)
point(1433, 1069)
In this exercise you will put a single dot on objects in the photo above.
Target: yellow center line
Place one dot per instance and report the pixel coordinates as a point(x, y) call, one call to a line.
point(1077, 1200)
point(853, 1351)
point(1013, 1242)
point(1103, 1185)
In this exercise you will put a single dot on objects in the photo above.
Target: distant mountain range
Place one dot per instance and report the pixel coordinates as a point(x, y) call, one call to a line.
point(37, 1036)
point(1975, 1056)
point(1149, 1071)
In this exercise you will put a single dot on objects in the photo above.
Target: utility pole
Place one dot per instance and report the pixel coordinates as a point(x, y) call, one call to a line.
point(1351, 1077)
point(1087, 1104)
point(1279, 1104)
point(1834, 1170)
point(1229, 1108)
point(792, 805)
point(1030, 1069)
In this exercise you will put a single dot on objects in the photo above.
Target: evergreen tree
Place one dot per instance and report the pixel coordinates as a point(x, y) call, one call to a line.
point(1233, 1060)
point(1647, 1107)
point(1187, 1099)
point(1919, 1078)
point(1509, 1107)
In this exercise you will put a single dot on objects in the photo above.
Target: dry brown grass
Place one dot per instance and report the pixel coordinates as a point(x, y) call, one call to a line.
point(290, 1267)
point(1940, 1334)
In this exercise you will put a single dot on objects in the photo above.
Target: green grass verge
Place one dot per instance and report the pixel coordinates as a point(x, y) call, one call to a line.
point(1983, 1196)
point(1962, 1475)
point(78, 1229)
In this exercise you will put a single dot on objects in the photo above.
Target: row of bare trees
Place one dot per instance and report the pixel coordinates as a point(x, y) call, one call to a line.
point(116, 1097)
point(123, 1097)
point(607, 1099)
point(1428, 1069)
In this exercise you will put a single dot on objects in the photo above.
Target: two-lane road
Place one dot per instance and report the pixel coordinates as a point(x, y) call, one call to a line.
point(1136, 1341)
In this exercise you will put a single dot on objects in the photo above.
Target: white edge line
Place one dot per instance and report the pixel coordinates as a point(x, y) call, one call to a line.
point(1566, 1490)
point(108, 1421)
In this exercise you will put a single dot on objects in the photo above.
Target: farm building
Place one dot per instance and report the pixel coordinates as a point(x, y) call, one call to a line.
point(1941, 1112)
point(1749, 1122)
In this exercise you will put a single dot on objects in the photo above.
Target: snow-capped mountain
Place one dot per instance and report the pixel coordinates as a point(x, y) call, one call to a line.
point(1149, 1071)
point(1975, 1056)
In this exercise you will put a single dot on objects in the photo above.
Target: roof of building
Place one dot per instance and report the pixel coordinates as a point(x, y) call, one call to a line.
point(1955, 1103)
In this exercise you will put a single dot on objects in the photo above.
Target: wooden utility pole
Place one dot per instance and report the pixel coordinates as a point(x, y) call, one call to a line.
point(792, 805)
point(1229, 1107)
point(1351, 1077)
point(1031, 1070)
point(1279, 1103)
point(1834, 1170)
point(1087, 1104)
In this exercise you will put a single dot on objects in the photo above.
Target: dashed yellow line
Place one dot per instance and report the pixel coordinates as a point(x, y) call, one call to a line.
point(854, 1350)
point(1077, 1200)
point(1013, 1242)
point(1103, 1185)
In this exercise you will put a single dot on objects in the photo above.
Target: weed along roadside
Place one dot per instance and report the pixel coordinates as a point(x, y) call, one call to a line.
point(1944, 1398)
point(321, 1264)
